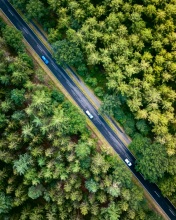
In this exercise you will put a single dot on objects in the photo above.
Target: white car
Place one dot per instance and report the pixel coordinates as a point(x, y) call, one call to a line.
point(128, 162)
point(89, 114)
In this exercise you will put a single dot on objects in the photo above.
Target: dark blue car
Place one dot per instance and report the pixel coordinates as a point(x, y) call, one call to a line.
point(45, 60)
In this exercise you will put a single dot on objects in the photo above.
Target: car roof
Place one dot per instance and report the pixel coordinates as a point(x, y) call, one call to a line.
point(89, 114)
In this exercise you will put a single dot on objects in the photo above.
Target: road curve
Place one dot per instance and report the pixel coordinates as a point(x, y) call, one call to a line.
point(84, 104)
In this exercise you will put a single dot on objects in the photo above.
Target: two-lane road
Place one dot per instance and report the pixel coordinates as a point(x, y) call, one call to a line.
point(84, 104)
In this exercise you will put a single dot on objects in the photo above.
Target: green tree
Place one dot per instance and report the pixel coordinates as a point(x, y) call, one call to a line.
point(82, 150)
point(6, 105)
point(91, 185)
point(26, 59)
point(76, 122)
point(17, 96)
point(13, 38)
point(45, 141)
point(109, 105)
point(20, 4)
point(112, 212)
point(57, 96)
point(142, 127)
point(35, 9)
point(5, 79)
point(41, 100)
point(36, 213)
point(66, 52)
point(22, 164)
point(35, 191)
point(150, 164)
point(3, 120)
point(19, 78)
point(114, 189)
point(5, 203)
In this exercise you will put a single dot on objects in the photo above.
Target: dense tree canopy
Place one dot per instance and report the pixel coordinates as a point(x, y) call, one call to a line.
point(13, 38)
point(67, 53)
point(133, 44)
point(50, 165)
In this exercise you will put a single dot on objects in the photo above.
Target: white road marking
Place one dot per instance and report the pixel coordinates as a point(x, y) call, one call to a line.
point(142, 176)
point(112, 136)
point(10, 12)
point(39, 47)
point(69, 83)
point(73, 91)
point(54, 65)
point(157, 194)
point(172, 212)
point(25, 29)
point(98, 120)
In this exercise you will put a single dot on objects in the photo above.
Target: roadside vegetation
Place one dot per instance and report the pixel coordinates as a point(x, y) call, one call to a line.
point(126, 51)
point(50, 165)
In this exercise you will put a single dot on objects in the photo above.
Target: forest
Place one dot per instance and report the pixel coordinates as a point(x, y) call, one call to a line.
point(126, 51)
point(51, 166)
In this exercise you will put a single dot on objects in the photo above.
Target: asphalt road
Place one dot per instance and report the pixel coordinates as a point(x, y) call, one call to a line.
point(84, 104)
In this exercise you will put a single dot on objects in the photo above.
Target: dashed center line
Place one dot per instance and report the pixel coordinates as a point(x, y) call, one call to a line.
point(10, 12)
point(172, 212)
point(25, 29)
point(157, 194)
point(40, 48)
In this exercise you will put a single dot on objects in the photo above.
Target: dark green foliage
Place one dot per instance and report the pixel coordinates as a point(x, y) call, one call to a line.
point(91, 81)
point(99, 91)
point(57, 96)
point(91, 185)
point(20, 3)
point(142, 127)
point(22, 164)
point(152, 158)
point(35, 9)
point(17, 96)
point(152, 162)
point(5, 203)
point(82, 150)
point(13, 38)
point(2, 25)
point(82, 69)
point(76, 122)
point(66, 52)
point(3, 120)
point(35, 191)
point(26, 59)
